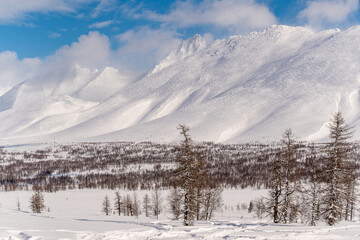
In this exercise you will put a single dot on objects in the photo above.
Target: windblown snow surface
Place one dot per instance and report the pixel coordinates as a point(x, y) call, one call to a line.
point(238, 89)
point(67, 217)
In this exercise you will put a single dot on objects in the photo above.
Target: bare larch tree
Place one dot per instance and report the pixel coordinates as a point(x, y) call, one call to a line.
point(338, 150)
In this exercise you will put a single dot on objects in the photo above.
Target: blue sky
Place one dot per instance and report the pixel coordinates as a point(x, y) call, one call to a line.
point(137, 34)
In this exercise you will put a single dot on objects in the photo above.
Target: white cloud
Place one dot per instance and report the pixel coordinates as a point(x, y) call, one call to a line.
point(101, 24)
point(12, 11)
point(237, 15)
point(320, 12)
point(54, 35)
point(144, 47)
point(104, 6)
point(14, 71)
point(140, 49)
point(91, 50)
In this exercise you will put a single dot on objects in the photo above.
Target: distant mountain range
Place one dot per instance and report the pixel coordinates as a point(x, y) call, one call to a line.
point(244, 88)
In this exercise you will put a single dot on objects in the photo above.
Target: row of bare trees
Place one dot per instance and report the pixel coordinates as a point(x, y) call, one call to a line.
point(327, 190)
point(191, 196)
point(130, 205)
point(120, 165)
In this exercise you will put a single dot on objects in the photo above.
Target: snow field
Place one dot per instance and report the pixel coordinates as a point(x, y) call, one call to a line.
point(76, 214)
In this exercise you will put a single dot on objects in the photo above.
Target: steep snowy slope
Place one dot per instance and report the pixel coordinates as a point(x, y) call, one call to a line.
point(185, 49)
point(107, 83)
point(243, 88)
point(55, 101)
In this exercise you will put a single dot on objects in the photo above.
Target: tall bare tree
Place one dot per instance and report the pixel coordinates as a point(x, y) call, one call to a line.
point(128, 206)
point(187, 175)
point(288, 156)
point(282, 180)
point(156, 203)
point(276, 189)
point(118, 203)
point(106, 205)
point(311, 190)
point(146, 205)
point(136, 205)
point(338, 150)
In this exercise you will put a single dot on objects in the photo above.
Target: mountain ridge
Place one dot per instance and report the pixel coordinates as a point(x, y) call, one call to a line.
point(243, 88)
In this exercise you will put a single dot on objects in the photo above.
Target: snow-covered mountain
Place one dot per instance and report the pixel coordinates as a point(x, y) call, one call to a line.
point(243, 88)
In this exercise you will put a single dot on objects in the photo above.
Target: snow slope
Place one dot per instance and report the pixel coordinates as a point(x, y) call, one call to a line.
point(243, 88)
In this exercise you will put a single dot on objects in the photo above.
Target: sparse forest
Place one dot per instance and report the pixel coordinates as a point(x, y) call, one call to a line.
point(142, 165)
point(322, 175)
point(326, 185)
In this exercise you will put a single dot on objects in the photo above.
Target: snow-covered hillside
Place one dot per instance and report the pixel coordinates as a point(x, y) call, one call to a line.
point(243, 88)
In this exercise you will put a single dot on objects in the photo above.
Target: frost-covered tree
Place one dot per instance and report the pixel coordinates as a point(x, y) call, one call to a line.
point(175, 203)
point(136, 205)
point(259, 207)
point(350, 198)
point(282, 180)
point(350, 182)
point(156, 203)
point(311, 190)
point(212, 201)
point(118, 203)
point(146, 205)
point(288, 159)
point(337, 170)
point(128, 206)
point(106, 205)
point(37, 202)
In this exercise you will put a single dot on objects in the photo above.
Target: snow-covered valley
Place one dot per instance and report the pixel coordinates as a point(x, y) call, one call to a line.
point(179, 120)
point(76, 177)
point(79, 134)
